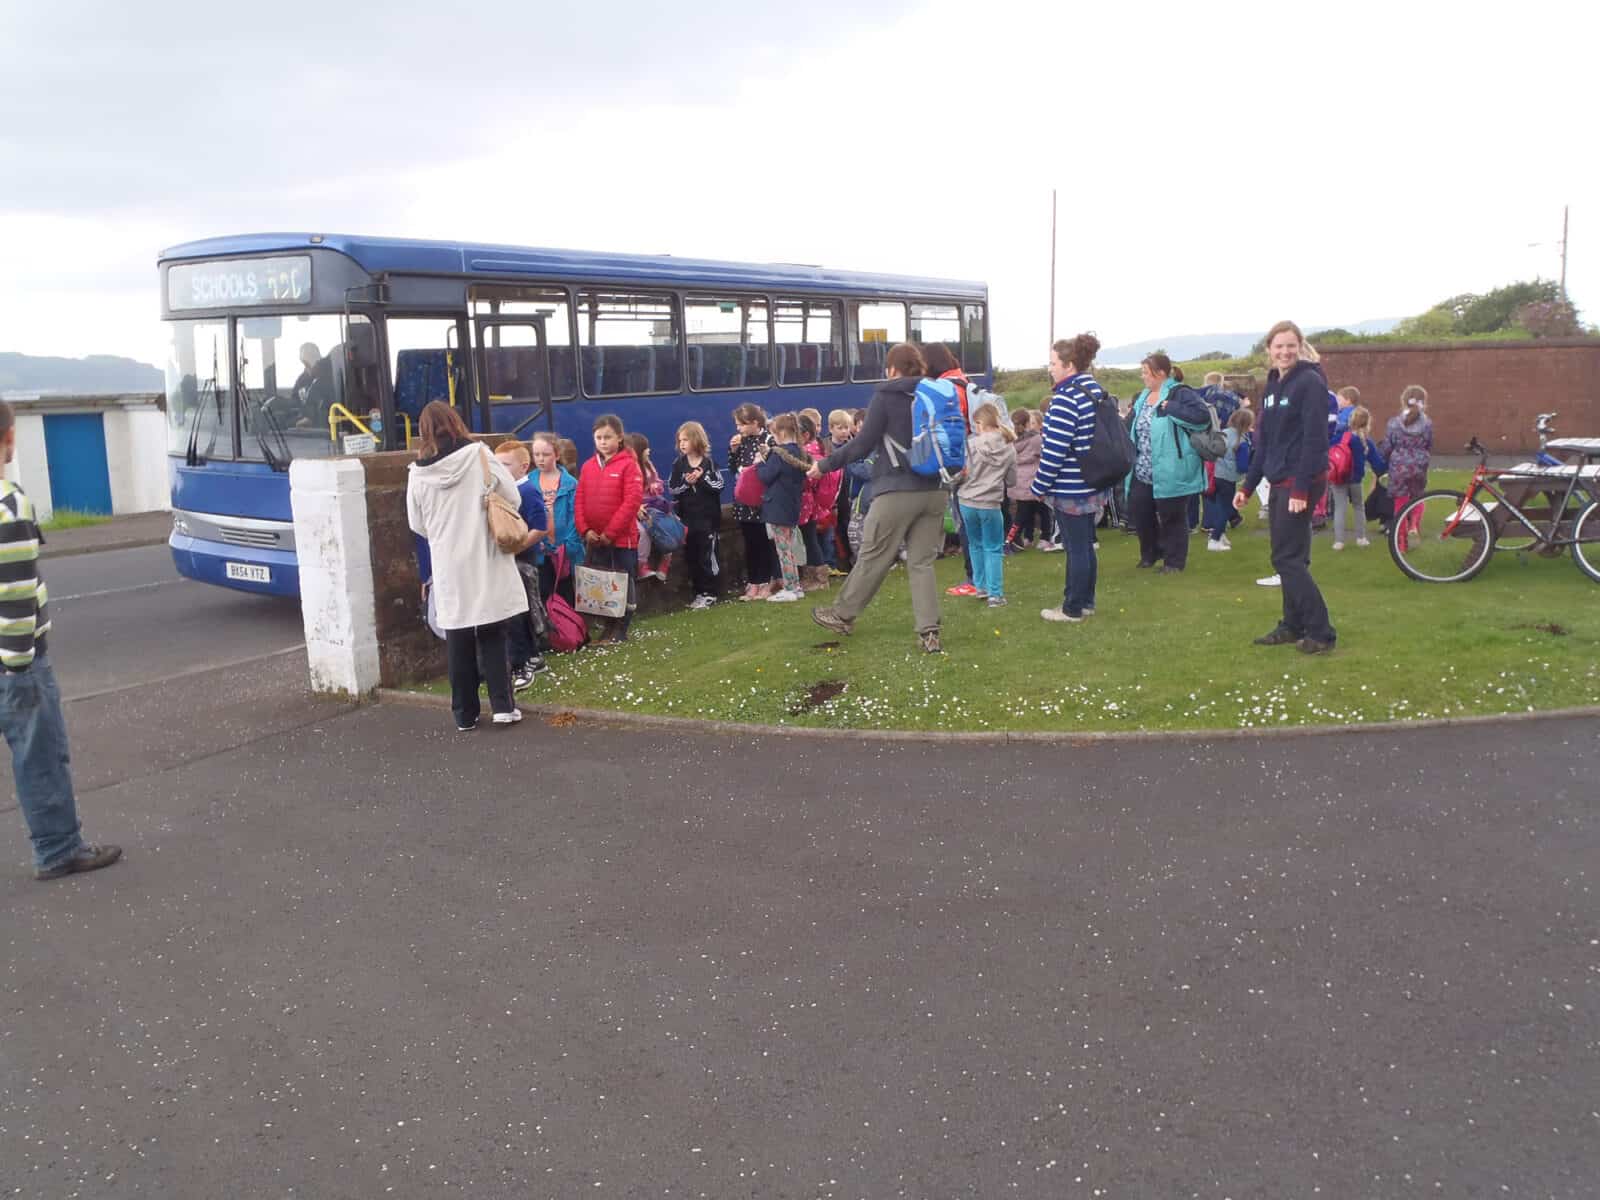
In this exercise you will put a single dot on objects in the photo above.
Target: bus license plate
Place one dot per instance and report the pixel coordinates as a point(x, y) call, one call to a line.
point(249, 572)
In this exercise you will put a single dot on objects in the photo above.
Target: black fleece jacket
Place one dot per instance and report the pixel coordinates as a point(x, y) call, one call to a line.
point(1292, 438)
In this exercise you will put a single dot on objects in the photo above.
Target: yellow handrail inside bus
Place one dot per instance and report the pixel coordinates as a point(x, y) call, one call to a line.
point(338, 413)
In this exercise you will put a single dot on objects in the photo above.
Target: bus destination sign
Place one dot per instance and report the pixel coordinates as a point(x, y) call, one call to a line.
point(240, 282)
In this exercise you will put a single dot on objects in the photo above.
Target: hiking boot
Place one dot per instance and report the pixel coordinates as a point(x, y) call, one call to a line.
point(1278, 637)
point(1312, 646)
point(84, 858)
point(930, 643)
point(830, 619)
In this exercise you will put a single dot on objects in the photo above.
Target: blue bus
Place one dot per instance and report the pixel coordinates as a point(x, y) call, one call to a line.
point(288, 345)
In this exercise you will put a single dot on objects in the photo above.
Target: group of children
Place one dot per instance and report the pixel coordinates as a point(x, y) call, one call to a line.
point(798, 528)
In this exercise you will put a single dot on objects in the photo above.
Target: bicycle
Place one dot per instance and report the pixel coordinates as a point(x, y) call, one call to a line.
point(1448, 537)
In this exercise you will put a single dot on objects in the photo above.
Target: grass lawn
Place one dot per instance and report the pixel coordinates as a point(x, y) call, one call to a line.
point(71, 518)
point(1163, 652)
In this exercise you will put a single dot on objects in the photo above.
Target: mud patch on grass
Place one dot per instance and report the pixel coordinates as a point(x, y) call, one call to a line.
point(817, 695)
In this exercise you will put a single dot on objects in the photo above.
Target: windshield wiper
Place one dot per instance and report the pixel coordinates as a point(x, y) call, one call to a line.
point(246, 404)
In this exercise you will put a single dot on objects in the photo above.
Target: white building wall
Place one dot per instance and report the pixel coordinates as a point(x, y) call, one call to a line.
point(329, 500)
point(136, 459)
point(30, 467)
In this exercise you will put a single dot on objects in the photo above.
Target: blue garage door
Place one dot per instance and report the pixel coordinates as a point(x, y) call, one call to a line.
point(75, 444)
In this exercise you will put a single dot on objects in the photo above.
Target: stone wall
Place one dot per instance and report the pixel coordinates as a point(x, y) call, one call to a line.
point(1491, 390)
point(407, 650)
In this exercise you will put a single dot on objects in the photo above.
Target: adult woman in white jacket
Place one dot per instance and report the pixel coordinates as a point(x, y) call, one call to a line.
point(475, 584)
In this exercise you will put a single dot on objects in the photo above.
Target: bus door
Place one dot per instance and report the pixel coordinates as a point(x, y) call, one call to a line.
point(363, 417)
point(513, 368)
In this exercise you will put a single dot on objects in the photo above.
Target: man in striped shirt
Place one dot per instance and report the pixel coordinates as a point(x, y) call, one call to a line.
point(30, 702)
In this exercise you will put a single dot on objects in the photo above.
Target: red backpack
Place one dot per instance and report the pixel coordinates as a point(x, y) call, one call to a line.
point(1341, 463)
point(567, 629)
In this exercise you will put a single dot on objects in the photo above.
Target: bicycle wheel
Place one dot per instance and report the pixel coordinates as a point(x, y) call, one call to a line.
point(1441, 537)
point(1586, 547)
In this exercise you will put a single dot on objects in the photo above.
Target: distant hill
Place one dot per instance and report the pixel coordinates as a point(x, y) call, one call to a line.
point(96, 375)
point(1191, 345)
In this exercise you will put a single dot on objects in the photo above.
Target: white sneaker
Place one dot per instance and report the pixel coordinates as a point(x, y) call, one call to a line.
point(1362, 542)
point(1338, 545)
point(700, 603)
point(1214, 544)
point(784, 596)
point(508, 718)
point(1270, 581)
point(1050, 547)
point(1226, 544)
point(1056, 614)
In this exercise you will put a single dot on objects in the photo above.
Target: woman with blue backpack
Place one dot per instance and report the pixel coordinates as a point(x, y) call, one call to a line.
point(908, 505)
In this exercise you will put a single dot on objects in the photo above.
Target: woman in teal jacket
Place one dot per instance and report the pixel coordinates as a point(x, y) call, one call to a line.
point(560, 491)
point(1166, 468)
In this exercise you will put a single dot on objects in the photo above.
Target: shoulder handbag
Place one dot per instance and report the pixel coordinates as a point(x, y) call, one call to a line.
point(748, 489)
point(506, 526)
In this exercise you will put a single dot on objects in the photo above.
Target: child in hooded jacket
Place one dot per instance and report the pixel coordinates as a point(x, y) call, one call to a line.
point(653, 498)
point(610, 489)
point(991, 469)
point(760, 557)
point(1029, 508)
point(782, 469)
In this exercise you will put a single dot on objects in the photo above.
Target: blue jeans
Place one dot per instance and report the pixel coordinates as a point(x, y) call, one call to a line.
point(986, 535)
point(30, 714)
point(1083, 568)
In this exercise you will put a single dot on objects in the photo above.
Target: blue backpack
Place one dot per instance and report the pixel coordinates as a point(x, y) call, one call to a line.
point(938, 433)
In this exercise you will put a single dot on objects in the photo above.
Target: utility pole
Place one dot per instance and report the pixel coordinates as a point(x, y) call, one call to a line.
point(1564, 213)
point(1053, 268)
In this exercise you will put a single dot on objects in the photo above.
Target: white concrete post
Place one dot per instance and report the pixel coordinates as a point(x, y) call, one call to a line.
point(329, 500)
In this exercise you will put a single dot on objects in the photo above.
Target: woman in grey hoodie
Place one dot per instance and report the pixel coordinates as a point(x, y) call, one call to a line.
point(991, 469)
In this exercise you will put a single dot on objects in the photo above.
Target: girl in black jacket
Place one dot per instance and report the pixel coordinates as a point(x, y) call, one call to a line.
point(696, 488)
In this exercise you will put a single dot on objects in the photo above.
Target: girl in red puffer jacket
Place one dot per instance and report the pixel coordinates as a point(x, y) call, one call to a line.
point(610, 488)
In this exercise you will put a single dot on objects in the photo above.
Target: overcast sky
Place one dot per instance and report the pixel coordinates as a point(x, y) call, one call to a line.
point(1220, 166)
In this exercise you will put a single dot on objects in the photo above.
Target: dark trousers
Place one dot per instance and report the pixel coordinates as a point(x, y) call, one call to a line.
point(626, 560)
point(1028, 512)
point(808, 536)
point(467, 650)
point(1219, 508)
point(1304, 612)
point(1163, 526)
point(1194, 512)
point(705, 572)
point(841, 527)
point(760, 556)
point(548, 586)
point(1083, 565)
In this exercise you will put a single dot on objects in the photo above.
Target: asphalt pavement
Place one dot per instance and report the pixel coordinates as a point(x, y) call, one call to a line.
point(352, 953)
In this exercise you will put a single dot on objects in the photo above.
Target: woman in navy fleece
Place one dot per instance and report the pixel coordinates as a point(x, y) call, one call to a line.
point(1292, 454)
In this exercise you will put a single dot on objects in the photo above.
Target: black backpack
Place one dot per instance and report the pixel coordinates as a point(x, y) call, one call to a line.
point(1110, 457)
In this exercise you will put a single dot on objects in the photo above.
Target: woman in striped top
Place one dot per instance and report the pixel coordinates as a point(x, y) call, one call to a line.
point(1068, 434)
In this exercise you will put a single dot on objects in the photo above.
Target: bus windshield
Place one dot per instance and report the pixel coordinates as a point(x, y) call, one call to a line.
point(291, 375)
point(266, 396)
point(199, 388)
